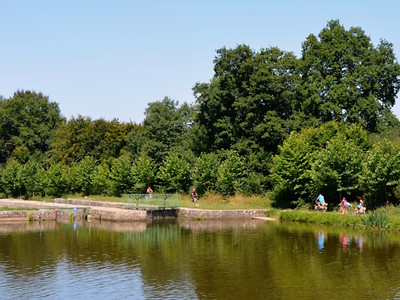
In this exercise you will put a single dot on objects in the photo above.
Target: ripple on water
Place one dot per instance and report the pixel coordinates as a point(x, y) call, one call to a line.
point(66, 280)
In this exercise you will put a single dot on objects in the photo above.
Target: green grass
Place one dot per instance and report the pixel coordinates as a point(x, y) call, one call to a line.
point(273, 212)
point(6, 208)
point(211, 201)
point(219, 202)
point(382, 218)
point(99, 198)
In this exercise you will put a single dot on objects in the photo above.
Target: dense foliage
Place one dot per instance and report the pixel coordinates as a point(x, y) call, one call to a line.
point(326, 160)
point(266, 121)
point(28, 122)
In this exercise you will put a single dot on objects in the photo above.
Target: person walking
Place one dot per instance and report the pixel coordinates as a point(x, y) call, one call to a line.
point(149, 191)
point(194, 195)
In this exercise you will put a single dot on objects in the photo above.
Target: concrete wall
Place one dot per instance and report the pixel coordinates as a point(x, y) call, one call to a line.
point(219, 214)
point(117, 216)
point(41, 214)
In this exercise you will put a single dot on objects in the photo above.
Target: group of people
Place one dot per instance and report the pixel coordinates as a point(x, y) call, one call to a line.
point(344, 205)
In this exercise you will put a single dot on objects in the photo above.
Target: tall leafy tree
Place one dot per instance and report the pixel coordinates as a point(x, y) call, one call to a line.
point(345, 78)
point(81, 137)
point(247, 101)
point(57, 180)
point(100, 179)
point(326, 159)
point(11, 179)
point(143, 173)
point(84, 175)
point(28, 122)
point(381, 173)
point(120, 177)
point(165, 128)
point(247, 106)
point(205, 172)
point(337, 168)
point(230, 174)
point(34, 177)
point(174, 174)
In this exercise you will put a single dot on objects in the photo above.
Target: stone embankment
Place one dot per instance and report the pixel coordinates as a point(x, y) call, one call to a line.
point(203, 214)
point(36, 210)
point(67, 209)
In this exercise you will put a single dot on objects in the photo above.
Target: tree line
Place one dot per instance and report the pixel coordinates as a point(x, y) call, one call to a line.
point(266, 122)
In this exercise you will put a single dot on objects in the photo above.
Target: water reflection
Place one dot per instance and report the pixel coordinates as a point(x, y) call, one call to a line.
point(347, 240)
point(219, 225)
point(321, 237)
point(196, 259)
point(344, 240)
point(360, 242)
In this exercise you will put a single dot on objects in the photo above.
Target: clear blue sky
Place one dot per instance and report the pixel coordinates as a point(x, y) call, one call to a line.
point(109, 59)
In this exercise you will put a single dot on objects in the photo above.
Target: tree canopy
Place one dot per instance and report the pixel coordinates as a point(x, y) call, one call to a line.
point(267, 121)
point(345, 78)
point(28, 122)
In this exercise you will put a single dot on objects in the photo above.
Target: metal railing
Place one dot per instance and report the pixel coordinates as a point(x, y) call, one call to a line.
point(151, 201)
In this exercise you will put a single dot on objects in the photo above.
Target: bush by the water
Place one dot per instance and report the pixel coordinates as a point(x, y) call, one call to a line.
point(387, 217)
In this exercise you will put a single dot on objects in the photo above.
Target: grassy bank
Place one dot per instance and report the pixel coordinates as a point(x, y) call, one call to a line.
point(383, 218)
point(211, 201)
point(6, 208)
point(220, 202)
point(387, 217)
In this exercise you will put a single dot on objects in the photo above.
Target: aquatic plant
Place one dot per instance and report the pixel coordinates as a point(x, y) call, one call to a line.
point(376, 219)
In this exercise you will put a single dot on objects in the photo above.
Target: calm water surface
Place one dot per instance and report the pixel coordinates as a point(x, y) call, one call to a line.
point(196, 260)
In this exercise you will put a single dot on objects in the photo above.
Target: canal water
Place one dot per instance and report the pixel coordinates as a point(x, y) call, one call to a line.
point(196, 260)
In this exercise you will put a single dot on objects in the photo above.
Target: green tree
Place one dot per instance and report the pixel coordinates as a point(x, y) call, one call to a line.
point(57, 180)
point(100, 179)
point(33, 174)
point(345, 78)
point(249, 99)
point(120, 177)
point(337, 168)
point(134, 140)
point(230, 174)
point(84, 174)
point(205, 172)
point(247, 107)
point(291, 171)
point(326, 159)
point(12, 182)
point(174, 174)
point(143, 173)
point(81, 137)
point(381, 173)
point(165, 128)
point(28, 122)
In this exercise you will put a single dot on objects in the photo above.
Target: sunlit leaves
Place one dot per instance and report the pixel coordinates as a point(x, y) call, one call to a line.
point(230, 174)
point(345, 78)
point(327, 159)
point(143, 173)
point(174, 173)
point(381, 173)
point(28, 122)
point(205, 172)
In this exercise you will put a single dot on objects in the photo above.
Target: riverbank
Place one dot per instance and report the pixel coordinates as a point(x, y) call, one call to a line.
point(382, 218)
point(73, 209)
point(77, 209)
